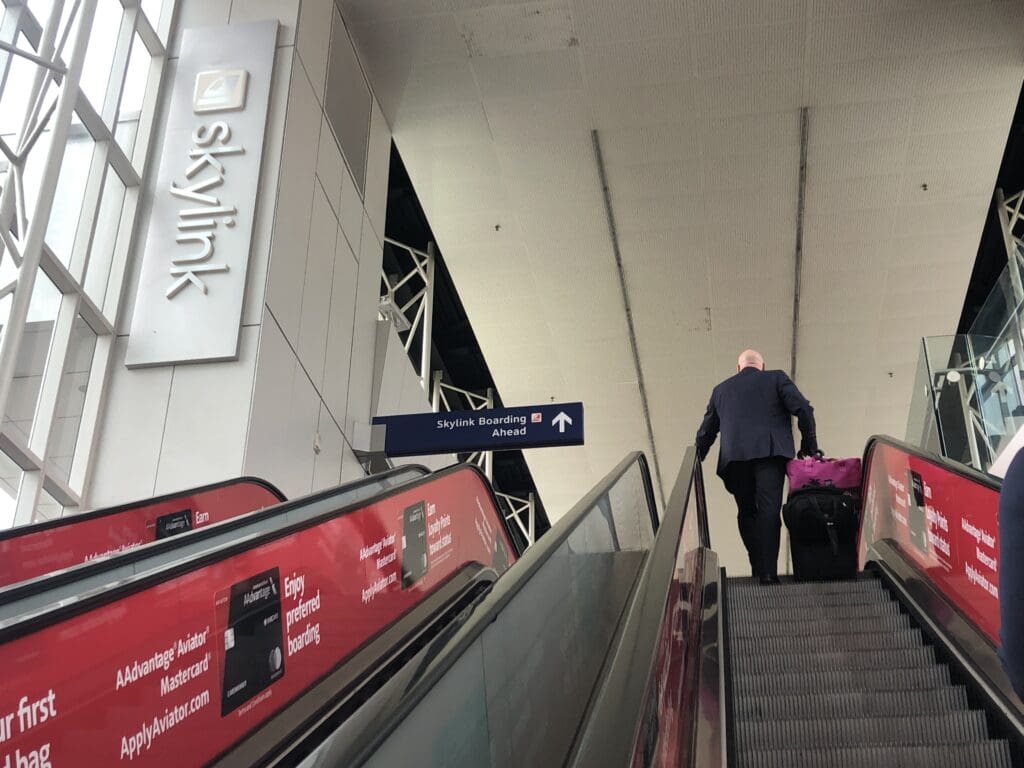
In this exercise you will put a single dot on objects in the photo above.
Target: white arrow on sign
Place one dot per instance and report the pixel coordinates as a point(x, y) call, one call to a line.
point(561, 420)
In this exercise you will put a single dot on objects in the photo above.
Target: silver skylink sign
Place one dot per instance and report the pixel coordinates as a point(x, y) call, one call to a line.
point(192, 285)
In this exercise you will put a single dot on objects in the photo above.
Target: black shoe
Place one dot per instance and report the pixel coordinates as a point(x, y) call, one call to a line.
point(770, 580)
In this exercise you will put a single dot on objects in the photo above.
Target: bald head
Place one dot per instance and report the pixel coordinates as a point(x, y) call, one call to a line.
point(750, 358)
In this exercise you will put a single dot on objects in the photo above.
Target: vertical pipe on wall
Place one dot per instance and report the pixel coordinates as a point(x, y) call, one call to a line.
point(798, 260)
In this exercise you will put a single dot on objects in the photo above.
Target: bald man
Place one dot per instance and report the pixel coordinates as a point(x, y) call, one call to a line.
point(753, 410)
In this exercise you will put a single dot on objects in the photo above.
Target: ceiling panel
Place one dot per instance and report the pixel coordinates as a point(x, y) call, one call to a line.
point(698, 107)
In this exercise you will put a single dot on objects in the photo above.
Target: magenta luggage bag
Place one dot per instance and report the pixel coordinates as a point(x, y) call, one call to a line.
point(828, 473)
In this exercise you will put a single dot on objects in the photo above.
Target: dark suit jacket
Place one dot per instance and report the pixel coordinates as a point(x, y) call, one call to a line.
point(1011, 572)
point(754, 410)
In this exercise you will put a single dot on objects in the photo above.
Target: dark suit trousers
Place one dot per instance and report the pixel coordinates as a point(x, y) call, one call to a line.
point(757, 486)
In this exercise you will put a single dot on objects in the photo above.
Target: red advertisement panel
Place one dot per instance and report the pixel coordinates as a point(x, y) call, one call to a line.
point(35, 550)
point(176, 673)
point(946, 524)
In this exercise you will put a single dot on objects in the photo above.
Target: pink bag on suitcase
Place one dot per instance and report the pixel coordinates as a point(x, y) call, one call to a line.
point(837, 473)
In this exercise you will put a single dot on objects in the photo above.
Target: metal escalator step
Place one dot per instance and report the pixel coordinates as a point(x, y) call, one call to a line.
point(892, 659)
point(989, 754)
point(783, 600)
point(950, 728)
point(828, 626)
point(849, 613)
point(806, 587)
point(905, 638)
point(836, 681)
point(852, 704)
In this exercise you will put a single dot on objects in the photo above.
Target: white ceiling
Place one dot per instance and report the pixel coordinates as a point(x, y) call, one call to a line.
point(697, 104)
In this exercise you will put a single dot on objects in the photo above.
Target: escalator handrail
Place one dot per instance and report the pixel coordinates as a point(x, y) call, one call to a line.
point(606, 738)
point(955, 467)
point(363, 744)
point(535, 557)
point(81, 517)
point(25, 589)
point(52, 614)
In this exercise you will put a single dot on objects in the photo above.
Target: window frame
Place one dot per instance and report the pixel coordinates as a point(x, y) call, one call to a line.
point(72, 106)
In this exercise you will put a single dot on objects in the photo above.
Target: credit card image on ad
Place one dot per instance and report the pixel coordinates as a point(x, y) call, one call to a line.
point(917, 520)
point(173, 523)
point(253, 645)
point(414, 544)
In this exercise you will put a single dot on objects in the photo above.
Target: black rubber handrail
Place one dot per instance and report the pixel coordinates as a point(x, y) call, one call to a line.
point(24, 589)
point(955, 467)
point(81, 517)
point(359, 746)
point(24, 625)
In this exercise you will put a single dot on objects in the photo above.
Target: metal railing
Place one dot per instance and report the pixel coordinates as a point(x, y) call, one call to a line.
point(968, 398)
point(414, 318)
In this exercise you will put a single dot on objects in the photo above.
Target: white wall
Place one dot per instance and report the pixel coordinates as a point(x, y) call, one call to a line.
point(287, 409)
point(314, 376)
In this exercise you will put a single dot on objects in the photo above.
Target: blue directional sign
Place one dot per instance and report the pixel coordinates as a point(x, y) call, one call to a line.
point(494, 429)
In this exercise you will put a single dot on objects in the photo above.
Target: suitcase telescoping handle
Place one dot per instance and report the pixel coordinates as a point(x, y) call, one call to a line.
point(830, 525)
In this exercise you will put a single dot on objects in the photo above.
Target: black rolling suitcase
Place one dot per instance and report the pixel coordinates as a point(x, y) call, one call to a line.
point(822, 525)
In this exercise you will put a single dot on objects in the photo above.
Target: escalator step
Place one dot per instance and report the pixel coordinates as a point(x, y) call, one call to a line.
point(806, 587)
point(905, 638)
point(950, 728)
point(783, 600)
point(990, 754)
point(837, 681)
point(889, 660)
point(854, 704)
point(848, 613)
point(803, 627)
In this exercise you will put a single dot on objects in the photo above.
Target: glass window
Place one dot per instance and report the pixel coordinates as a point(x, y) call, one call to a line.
point(10, 483)
point(35, 345)
point(74, 385)
point(136, 80)
point(47, 508)
point(32, 175)
point(117, 76)
point(153, 9)
point(15, 94)
point(5, 305)
point(99, 57)
point(62, 227)
point(97, 274)
point(41, 10)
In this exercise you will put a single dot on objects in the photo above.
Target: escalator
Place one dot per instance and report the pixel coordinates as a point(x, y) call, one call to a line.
point(896, 668)
point(618, 640)
point(227, 644)
point(835, 674)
